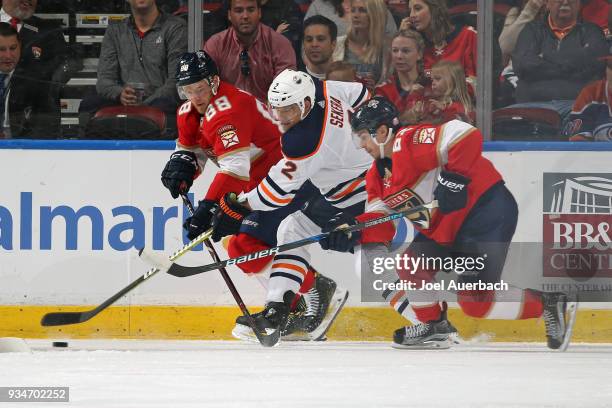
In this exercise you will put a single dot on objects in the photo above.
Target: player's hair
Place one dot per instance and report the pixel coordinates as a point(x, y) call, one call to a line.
point(324, 21)
point(7, 30)
point(441, 25)
point(457, 90)
point(377, 12)
point(420, 44)
point(344, 67)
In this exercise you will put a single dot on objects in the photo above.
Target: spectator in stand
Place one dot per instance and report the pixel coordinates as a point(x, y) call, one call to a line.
point(399, 10)
point(46, 62)
point(556, 57)
point(320, 35)
point(450, 98)
point(339, 11)
point(405, 88)
point(443, 40)
point(250, 54)
point(596, 12)
point(591, 117)
point(341, 71)
point(286, 18)
point(365, 45)
point(138, 62)
point(24, 111)
point(516, 19)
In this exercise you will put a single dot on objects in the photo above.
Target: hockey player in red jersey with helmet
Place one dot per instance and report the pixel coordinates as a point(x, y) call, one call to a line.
point(476, 214)
point(234, 130)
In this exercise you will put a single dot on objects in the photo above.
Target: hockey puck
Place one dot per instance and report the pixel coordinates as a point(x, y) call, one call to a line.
point(60, 344)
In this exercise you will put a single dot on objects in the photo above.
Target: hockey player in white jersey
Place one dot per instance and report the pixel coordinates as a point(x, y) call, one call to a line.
point(316, 146)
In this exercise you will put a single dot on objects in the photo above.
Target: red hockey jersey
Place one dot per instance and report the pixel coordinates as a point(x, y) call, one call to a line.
point(402, 100)
point(419, 154)
point(461, 46)
point(236, 133)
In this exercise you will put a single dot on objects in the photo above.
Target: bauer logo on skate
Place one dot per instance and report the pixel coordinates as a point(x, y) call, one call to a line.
point(576, 225)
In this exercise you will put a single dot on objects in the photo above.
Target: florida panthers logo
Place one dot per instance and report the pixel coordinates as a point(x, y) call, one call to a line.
point(406, 199)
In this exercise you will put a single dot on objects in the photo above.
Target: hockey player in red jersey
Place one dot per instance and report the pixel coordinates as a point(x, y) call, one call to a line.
point(476, 214)
point(234, 130)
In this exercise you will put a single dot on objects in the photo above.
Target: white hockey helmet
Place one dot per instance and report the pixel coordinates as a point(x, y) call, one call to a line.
point(291, 87)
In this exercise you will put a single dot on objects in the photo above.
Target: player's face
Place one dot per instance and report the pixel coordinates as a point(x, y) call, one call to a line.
point(359, 15)
point(21, 9)
point(10, 51)
point(420, 15)
point(404, 54)
point(318, 45)
point(371, 144)
point(439, 83)
point(244, 15)
point(287, 116)
point(199, 94)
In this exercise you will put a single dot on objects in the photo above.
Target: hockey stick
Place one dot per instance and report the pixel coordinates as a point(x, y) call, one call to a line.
point(62, 318)
point(184, 271)
point(266, 340)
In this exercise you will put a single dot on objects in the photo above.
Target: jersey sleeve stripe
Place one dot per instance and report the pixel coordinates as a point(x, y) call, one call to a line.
point(272, 184)
point(263, 201)
point(350, 188)
point(271, 197)
point(363, 96)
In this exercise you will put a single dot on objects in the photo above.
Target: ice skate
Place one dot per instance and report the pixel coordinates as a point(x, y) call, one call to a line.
point(559, 318)
point(435, 334)
point(323, 302)
point(274, 317)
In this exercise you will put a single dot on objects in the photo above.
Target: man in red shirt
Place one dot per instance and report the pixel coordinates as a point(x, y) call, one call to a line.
point(476, 218)
point(234, 130)
point(249, 53)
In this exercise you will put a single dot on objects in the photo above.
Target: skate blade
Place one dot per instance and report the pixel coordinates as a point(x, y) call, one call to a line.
point(337, 303)
point(570, 311)
point(245, 333)
point(427, 345)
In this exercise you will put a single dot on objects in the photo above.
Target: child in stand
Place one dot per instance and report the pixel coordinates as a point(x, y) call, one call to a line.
point(450, 98)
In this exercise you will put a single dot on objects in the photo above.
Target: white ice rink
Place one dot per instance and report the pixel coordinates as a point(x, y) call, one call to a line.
point(169, 374)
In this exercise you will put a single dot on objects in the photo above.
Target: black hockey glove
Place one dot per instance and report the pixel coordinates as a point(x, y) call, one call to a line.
point(451, 191)
point(339, 240)
point(179, 172)
point(201, 220)
point(229, 218)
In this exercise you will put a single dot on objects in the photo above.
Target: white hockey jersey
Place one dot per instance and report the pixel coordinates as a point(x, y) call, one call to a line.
point(319, 148)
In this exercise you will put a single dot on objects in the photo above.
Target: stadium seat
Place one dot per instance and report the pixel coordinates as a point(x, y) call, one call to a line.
point(127, 122)
point(526, 124)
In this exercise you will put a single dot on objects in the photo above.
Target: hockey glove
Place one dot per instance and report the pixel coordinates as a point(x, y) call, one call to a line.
point(339, 240)
point(451, 191)
point(229, 217)
point(201, 220)
point(179, 172)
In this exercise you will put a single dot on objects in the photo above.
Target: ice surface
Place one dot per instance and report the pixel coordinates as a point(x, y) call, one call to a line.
point(177, 374)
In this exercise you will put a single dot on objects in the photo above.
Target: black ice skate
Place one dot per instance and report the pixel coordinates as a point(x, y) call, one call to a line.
point(559, 318)
point(435, 334)
point(322, 302)
point(274, 317)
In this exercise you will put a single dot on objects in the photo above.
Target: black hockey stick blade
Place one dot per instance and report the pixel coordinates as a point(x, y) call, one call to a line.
point(64, 318)
point(185, 271)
